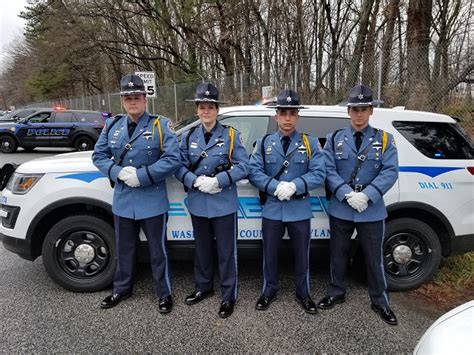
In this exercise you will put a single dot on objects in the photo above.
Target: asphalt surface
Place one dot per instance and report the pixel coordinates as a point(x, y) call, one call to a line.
point(36, 315)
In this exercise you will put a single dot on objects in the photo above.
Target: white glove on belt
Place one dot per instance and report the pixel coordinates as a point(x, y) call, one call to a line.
point(132, 179)
point(358, 201)
point(285, 190)
point(208, 185)
point(125, 172)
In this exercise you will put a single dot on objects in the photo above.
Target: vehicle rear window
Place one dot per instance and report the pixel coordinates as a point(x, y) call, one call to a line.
point(88, 117)
point(437, 140)
point(63, 116)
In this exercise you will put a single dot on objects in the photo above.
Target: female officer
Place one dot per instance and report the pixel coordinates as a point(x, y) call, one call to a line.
point(213, 160)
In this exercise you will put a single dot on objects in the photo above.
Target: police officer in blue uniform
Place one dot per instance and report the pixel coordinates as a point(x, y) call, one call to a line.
point(362, 165)
point(285, 167)
point(213, 160)
point(137, 153)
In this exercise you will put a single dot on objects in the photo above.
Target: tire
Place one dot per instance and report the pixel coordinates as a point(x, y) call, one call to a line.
point(8, 144)
point(83, 143)
point(79, 253)
point(411, 253)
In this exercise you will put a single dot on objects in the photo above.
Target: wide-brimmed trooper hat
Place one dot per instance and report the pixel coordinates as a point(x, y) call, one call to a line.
point(132, 84)
point(361, 95)
point(206, 92)
point(287, 99)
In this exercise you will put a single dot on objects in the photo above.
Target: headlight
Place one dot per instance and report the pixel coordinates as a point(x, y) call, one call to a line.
point(22, 183)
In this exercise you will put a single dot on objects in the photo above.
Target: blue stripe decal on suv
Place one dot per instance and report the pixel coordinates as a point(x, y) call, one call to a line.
point(431, 171)
point(86, 177)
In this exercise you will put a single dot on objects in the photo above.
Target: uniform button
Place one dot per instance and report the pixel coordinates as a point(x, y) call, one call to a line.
point(357, 179)
point(220, 153)
point(376, 165)
point(286, 171)
point(302, 161)
point(149, 152)
point(130, 161)
point(205, 167)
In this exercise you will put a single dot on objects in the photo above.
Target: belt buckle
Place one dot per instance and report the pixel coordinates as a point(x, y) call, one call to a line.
point(361, 157)
point(358, 187)
point(203, 154)
point(286, 163)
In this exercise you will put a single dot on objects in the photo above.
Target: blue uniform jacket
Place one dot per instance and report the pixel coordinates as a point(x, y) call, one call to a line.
point(307, 175)
point(153, 165)
point(226, 201)
point(377, 173)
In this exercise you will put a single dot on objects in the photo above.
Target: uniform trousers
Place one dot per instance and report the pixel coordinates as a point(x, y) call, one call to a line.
point(273, 232)
point(127, 238)
point(370, 235)
point(224, 230)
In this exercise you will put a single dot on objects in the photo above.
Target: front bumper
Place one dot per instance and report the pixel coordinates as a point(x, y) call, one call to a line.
point(21, 247)
point(461, 244)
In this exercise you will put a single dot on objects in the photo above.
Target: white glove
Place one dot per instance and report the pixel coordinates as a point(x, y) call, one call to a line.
point(358, 201)
point(198, 181)
point(209, 185)
point(287, 190)
point(132, 179)
point(125, 172)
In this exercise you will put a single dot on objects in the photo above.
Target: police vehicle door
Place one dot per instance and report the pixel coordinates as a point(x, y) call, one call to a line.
point(61, 129)
point(34, 131)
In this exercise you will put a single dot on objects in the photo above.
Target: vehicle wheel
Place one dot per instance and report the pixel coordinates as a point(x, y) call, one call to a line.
point(411, 252)
point(83, 143)
point(79, 253)
point(8, 144)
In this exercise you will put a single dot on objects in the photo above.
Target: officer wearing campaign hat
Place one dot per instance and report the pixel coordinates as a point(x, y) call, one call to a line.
point(285, 167)
point(213, 160)
point(137, 152)
point(361, 165)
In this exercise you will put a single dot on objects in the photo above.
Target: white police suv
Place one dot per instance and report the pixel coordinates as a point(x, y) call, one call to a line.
point(60, 207)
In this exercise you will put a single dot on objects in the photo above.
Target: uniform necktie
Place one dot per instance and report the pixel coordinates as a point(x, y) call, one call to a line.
point(131, 128)
point(207, 137)
point(285, 143)
point(358, 139)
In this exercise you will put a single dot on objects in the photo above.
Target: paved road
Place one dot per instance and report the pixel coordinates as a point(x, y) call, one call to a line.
point(39, 316)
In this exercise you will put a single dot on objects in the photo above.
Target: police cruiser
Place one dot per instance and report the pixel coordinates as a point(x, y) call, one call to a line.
point(60, 206)
point(49, 127)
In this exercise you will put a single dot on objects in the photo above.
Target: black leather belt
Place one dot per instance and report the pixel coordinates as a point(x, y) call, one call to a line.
point(357, 187)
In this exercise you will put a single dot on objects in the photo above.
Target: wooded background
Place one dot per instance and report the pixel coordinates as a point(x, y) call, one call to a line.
point(418, 52)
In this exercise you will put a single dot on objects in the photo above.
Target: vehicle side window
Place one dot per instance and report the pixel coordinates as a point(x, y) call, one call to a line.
point(321, 126)
point(250, 127)
point(437, 140)
point(63, 117)
point(94, 117)
point(41, 117)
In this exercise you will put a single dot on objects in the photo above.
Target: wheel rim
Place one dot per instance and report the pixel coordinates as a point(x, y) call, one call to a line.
point(82, 254)
point(406, 255)
point(83, 145)
point(6, 144)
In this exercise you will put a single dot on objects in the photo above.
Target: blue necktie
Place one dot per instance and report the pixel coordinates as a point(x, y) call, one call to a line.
point(285, 143)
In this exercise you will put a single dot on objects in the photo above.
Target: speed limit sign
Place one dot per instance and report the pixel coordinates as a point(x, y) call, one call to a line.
point(148, 78)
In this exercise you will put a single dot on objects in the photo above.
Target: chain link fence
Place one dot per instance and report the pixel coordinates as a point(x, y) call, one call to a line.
point(241, 89)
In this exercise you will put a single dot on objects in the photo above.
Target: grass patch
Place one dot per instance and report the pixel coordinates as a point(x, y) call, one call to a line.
point(453, 284)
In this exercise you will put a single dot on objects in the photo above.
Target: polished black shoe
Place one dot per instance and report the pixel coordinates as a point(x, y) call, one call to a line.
point(198, 296)
point(226, 309)
point(307, 304)
point(165, 304)
point(113, 300)
point(264, 302)
point(386, 314)
point(330, 301)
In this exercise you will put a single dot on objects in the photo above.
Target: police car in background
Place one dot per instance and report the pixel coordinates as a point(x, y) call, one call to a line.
point(52, 128)
point(60, 207)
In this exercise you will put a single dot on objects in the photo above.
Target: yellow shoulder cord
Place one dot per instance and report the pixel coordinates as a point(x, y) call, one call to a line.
point(384, 141)
point(160, 132)
point(307, 145)
point(231, 148)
